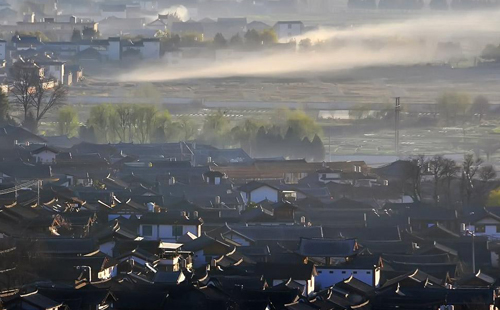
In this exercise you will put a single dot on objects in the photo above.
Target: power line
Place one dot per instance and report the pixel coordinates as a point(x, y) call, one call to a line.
point(17, 187)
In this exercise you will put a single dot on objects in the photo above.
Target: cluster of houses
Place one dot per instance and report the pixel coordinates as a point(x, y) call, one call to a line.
point(73, 43)
point(185, 226)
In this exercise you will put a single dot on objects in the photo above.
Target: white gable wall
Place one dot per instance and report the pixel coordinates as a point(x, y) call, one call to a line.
point(329, 276)
point(45, 157)
point(165, 232)
point(286, 31)
point(263, 193)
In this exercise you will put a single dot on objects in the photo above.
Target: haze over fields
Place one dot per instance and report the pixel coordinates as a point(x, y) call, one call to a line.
point(413, 41)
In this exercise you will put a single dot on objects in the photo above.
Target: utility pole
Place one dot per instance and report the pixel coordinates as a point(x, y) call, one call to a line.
point(397, 112)
point(38, 193)
point(329, 144)
point(473, 254)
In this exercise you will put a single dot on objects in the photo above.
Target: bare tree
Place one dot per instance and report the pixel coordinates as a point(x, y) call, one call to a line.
point(470, 167)
point(436, 168)
point(24, 77)
point(44, 99)
point(34, 93)
point(487, 173)
point(489, 147)
point(414, 176)
point(449, 171)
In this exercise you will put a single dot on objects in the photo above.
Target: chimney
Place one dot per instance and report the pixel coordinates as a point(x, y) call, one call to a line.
point(72, 20)
point(171, 180)
point(217, 200)
point(303, 220)
point(463, 228)
point(209, 160)
point(195, 214)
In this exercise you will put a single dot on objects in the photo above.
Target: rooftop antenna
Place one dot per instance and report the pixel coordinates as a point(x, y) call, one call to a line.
point(397, 112)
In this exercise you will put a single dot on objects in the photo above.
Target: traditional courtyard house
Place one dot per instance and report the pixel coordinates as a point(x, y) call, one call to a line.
point(365, 268)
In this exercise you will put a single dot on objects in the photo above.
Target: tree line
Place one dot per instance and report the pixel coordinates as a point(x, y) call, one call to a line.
point(252, 39)
point(449, 183)
point(292, 134)
point(453, 108)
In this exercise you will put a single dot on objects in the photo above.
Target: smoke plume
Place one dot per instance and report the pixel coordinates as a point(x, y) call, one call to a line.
point(407, 42)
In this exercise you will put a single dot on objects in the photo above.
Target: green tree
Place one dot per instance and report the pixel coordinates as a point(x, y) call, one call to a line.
point(453, 106)
point(87, 134)
point(245, 134)
point(216, 122)
point(100, 120)
point(122, 122)
point(491, 52)
point(480, 106)
point(302, 124)
point(252, 38)
point(236, 40)
point(165, 129)
point(188, 127)
point(158, 135)
point(493, 198)
point(219, 41)
point(144, 121)
point(215, 128)
point(67, 121)
point(76, 36)
point(317, 149)
point(268, 36)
